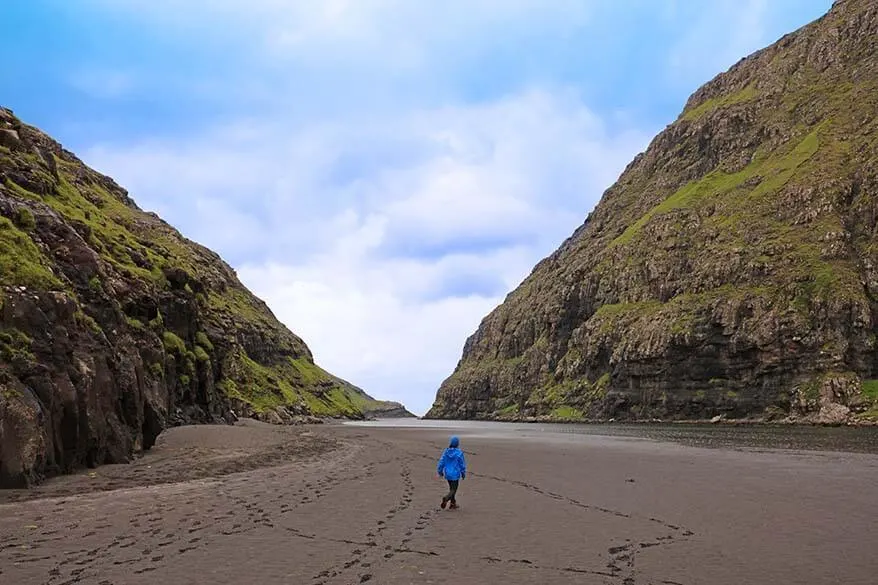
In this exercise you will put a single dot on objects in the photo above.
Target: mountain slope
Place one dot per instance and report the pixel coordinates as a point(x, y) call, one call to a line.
point(731, 270)
point(113, 326)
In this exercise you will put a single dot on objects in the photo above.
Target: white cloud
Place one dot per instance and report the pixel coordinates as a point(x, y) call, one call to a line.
point(361, 324)
point(395, 34)
point(384, 241)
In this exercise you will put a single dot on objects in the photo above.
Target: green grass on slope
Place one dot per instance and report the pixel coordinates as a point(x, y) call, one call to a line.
point(14, 345)
point(290, 383)
point(330, 396)
point(870, 389)
point(566, 413)
point(21, 261)
point(744, 95)
point(608, 314)
point(260, 386)
point(773, 172)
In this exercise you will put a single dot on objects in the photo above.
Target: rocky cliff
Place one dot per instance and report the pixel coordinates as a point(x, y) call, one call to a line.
point(113, 326)
point(732, 269)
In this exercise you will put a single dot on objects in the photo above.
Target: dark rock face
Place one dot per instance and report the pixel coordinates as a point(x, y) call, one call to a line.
point(732, 270)
point(387, 409)
point(114, 327)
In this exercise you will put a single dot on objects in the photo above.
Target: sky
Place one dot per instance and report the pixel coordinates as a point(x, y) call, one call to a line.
point(381, 172)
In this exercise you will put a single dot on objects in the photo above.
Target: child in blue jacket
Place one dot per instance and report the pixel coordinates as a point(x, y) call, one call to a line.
point(452, 466)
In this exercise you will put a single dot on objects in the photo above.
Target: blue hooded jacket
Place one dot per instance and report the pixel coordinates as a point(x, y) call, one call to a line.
point(452, 464)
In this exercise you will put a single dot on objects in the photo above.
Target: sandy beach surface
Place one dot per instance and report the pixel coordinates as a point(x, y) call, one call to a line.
point(355, 504)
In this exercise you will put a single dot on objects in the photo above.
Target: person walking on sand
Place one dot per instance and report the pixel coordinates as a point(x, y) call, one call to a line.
point(452, 466)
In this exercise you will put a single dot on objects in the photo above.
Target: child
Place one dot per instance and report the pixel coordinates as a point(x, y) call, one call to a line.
point(452, 466)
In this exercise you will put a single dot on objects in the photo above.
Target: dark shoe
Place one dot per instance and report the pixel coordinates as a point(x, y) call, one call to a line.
point(454, 505)
point(444, 503)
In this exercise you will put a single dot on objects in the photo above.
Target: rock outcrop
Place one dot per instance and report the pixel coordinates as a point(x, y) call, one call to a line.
point(113, 326)
point(731, 271)
point(387, 409)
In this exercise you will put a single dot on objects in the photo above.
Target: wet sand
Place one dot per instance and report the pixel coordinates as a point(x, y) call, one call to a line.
point(342, 504)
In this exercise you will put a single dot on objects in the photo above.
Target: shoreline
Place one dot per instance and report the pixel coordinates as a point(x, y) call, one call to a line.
point(786, 422)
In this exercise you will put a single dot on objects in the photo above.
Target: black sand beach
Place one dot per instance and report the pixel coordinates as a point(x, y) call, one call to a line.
point(355, 504)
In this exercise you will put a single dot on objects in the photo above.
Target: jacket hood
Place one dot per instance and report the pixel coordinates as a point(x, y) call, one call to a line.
point(454, 442)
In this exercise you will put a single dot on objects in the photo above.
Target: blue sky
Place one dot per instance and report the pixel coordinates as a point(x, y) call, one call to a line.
point(381, 172)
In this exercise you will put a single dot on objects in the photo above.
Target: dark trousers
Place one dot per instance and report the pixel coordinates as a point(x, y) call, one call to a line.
point(452, 491)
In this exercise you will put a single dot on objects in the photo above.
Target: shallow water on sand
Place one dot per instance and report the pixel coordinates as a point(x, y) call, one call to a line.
point(724, 436)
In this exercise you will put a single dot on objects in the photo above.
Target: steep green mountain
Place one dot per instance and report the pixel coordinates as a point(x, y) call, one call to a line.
point(732, 269)
point(113, 326)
